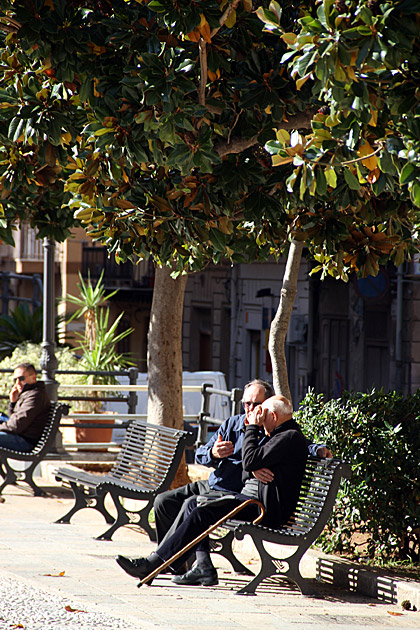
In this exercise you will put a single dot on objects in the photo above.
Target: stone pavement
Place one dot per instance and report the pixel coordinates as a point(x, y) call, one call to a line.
point(70, 580)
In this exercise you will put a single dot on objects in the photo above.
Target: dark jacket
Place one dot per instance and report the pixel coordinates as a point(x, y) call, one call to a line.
point(29, 414)
point(284, 452)
point(227, 473)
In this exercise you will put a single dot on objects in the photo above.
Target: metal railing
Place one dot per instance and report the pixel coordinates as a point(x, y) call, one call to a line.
point(200, 422)
point(204, 418)
point(8, 293)
point(130, 399)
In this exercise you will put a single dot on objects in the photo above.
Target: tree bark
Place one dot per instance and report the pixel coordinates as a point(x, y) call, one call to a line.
point(280, 323)
point(164, 360)
point(164, 357)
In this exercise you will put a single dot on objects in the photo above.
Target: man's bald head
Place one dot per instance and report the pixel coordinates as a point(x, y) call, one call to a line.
point(280, 405)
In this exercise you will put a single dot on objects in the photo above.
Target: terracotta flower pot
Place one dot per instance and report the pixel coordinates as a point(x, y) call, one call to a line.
point(92, 434)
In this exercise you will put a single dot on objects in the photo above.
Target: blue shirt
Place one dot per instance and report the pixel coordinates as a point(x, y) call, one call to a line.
point(227, 473)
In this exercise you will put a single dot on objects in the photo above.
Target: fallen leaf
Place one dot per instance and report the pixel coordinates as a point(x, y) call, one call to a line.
point(70, 609)
point(54, 574)
point(395, 614)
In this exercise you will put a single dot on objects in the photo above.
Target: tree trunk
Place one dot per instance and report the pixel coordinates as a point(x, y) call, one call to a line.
point(280, 323)
point(164, 360)
point(164, 356)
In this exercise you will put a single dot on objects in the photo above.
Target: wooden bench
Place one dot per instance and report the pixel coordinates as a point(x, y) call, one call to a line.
point(10, 475)
point(144, 467)
point(317, 497)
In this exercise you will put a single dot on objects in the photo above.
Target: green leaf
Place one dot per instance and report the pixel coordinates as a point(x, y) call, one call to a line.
point(408, 173)
point(351, 180)
point(16, 128)
point(331, 177)
point(321, 181)
point(386, 164)
point(415, 193)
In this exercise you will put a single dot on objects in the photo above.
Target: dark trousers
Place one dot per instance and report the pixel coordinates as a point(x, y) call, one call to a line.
point(196, 522)
point(169, 507)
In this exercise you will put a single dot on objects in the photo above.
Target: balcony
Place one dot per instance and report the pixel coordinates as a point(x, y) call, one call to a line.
point(28, 252)
point(124, 276)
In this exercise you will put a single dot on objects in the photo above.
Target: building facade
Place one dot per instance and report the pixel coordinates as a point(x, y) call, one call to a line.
point(355, 335)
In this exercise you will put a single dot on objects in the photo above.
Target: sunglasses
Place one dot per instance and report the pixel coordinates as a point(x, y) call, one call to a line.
point(20, 379)
point(249, 404)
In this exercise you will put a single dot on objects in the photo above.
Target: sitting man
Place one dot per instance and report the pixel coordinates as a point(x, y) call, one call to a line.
point(223, 452)
point(283, 451)
point(28, 410)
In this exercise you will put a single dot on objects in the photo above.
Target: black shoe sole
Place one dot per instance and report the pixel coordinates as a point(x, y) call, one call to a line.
point(199, 582)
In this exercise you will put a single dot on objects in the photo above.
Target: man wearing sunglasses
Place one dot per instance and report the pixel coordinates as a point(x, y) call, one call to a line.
point(28, 410)
point(223, 453)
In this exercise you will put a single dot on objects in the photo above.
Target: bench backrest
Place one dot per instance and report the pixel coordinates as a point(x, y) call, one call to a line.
point(150, 455)
point(318, 492)
point(51, 427)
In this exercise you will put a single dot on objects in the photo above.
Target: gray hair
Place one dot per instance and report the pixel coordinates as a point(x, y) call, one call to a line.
point(280, 405)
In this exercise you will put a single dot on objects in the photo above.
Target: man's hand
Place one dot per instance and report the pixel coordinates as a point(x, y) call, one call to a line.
point(14, 392)
point(257, 416)
point(263, 474)
point(221, 448)
point(324, 452)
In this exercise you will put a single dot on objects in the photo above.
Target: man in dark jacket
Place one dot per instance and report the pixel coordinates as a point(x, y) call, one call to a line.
point(28, 410)
point(283, 451)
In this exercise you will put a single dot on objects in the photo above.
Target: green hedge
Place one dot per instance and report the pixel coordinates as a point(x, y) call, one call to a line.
point(379, 434)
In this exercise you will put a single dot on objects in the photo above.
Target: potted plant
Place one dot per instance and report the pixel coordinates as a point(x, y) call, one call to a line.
point(97, 347)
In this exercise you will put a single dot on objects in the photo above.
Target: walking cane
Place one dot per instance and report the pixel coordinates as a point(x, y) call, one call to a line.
point(199, 538)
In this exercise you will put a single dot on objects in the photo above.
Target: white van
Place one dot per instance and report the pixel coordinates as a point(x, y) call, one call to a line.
point(220, 405)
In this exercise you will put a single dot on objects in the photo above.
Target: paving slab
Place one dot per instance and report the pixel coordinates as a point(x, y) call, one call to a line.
point(59, 576)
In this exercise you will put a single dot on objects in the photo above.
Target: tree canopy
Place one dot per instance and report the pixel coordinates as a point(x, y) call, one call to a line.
point(200, 130)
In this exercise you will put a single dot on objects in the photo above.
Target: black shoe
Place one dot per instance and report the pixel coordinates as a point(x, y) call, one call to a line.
point(137, 567)
point(206, 576)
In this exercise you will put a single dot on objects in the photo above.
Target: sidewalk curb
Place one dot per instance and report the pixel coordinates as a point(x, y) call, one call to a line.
point(350, 576)
point(362, 579)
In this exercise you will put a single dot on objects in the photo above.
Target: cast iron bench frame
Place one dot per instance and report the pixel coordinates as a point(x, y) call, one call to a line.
point(316, 500)
point(10, 475)
point(145, 466)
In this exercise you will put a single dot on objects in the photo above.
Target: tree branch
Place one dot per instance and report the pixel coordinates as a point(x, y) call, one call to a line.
point(225, 16)
point(9, 25)
point(299, 121)
point(363, 157)
point(237, 146)
point(203, 71)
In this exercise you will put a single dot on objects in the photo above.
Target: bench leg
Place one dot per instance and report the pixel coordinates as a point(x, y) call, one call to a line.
point(129, 517)
point(8, 474)
point(83, 499)
point(223, 546)
point(28, 478)
point(268, 568)
point(271, 566)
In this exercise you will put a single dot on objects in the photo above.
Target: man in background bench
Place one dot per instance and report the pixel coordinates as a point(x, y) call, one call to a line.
point(28, 410)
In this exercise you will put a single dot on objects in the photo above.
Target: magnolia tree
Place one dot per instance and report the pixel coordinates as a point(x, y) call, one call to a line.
point(212, 130)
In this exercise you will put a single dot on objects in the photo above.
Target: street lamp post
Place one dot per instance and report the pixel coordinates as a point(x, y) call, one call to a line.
point(49, 362)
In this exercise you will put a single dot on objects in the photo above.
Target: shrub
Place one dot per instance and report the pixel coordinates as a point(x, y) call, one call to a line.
point(379, 434)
